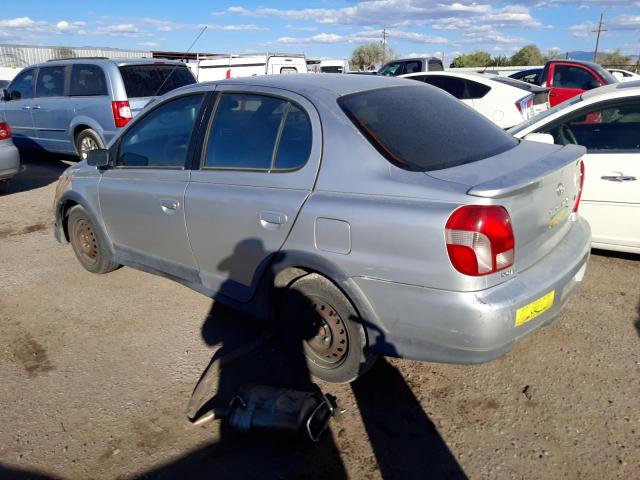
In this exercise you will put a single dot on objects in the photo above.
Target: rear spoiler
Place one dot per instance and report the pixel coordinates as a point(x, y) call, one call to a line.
point(529, 174)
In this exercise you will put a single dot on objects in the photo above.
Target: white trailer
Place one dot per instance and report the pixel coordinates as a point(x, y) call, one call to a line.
point(334, 66)
point(250, 65)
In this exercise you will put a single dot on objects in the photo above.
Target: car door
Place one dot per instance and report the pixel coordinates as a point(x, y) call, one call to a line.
point(258, 166)
point(142, 196)
point(17, 108)
point(611, 196)
point(567, 81)
point(50, 109)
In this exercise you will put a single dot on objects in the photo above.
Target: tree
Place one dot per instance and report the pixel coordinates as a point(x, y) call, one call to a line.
point(528, 55)
point(613, 58)
point(367, 56)
point(478, 58)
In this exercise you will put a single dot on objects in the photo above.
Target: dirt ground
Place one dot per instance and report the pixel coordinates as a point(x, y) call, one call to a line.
point(96, 372)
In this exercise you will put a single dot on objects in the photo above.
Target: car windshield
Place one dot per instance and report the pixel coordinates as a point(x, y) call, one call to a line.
point(543, 115)
point(152, 80)
point(422, 128)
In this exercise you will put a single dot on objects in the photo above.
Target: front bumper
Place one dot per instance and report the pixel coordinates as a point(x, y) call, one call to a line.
point(9, 161)
point(474, 327)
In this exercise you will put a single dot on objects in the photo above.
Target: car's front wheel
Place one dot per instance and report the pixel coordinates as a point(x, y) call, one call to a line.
point(324, 329)
point(86, 243)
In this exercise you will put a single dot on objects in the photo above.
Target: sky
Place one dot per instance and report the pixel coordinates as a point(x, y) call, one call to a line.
point(325, 28)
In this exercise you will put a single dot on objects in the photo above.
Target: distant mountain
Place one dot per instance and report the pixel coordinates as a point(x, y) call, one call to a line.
point(587, 56)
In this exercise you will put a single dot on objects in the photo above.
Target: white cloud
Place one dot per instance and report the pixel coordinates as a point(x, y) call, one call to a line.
point(368, 35)
point(241, 28)
point(149, 44)
point(121, 30)
point(621, 22)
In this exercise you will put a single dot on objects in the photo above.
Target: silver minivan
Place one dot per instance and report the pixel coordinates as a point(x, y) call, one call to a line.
point(76, 105)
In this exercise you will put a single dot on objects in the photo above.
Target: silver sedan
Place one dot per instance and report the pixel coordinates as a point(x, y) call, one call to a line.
point(9, 155)
point(371, 216)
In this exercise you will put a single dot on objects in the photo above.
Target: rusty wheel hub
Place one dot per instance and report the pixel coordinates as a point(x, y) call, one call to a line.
point(86, 241)
point(331, 342)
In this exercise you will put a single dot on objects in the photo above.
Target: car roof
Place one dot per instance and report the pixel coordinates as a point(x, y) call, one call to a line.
point(311, 85)
point(631, 88)
point(118, 61)
point(480, 77)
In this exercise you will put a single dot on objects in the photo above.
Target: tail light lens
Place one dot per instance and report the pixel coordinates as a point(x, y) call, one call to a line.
point(580, 181)
point(5, 131)
point(525, 107)
point(480, 239)
point(121, 113)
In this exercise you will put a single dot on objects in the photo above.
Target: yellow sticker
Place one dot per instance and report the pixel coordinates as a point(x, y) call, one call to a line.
point(535, 308)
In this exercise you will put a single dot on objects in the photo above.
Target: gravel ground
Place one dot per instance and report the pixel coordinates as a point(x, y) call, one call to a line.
point(97, 371)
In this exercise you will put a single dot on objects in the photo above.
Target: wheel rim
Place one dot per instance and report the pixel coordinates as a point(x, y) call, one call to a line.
point(330, 344)
point(85, 240)
point(87, 144)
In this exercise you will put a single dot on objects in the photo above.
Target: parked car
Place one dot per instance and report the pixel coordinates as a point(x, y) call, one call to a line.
point(503, 104)
point(404, 66)
point(425, 232)
point(540, 94)
point(607, 122)
point(9, 155)
point(76, 105)
point(567, 78)
point(624, 75)
point(531, 75)
point(249, 65)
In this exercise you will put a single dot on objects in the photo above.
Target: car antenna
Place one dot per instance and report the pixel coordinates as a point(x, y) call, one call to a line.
point(182, 59)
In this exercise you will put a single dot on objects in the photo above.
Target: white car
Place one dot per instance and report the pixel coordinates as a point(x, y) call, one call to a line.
point(505, 103)
point(624, 75)
point(606, 121)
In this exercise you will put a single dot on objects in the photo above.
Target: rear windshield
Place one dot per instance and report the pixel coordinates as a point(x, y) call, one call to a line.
point(152, 80)
point(422, 128)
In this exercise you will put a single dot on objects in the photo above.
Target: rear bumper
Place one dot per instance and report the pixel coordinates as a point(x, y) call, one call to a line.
point(9, 161)
point(474, 327)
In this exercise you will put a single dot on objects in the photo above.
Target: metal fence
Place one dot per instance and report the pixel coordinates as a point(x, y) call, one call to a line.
point(20, 56)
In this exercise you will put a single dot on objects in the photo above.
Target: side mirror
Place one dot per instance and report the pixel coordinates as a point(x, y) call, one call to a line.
point(540, 137)
point(5, 95)
point(98, 158)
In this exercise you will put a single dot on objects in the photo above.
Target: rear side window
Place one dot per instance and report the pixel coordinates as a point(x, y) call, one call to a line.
point(435, 66)
point(476, 90)
point(151, 80)
point(413, 67)
point(422, 129)
point(258, 132)
point(87, 80)
point(50, 82)
point(454, 86)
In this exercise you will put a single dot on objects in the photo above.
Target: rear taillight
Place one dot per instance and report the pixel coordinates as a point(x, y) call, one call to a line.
point(121, 113)
point(525, 107)
point(580, 182)
point(5, 131)
point(480, 239)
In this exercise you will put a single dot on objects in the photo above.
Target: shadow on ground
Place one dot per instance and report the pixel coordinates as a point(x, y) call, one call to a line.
point(39, 169)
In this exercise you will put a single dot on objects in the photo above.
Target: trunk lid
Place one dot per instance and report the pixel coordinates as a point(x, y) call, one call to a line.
point(537, 184)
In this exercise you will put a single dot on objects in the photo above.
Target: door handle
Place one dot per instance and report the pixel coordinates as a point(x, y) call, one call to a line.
point(169, 206)
point(36, 107)
point(272, 219)
point(26, 107)
point(619, 178)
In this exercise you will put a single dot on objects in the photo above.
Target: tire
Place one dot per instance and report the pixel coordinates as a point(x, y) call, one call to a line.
point(323, 329)
point(86, 140)
point(86, 243)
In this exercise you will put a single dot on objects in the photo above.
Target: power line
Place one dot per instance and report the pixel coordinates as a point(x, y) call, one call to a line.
point(599, 30)
point(384, 45)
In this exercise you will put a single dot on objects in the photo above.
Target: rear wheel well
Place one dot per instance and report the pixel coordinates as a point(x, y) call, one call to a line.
point(78, 129)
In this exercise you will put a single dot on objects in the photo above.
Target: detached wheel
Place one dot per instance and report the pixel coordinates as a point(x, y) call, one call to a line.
point(86, 141)
point(322, 326)
point(86, 243)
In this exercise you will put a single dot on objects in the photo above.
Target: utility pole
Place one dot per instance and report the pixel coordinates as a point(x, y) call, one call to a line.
point(384, 46)
point(600, 29)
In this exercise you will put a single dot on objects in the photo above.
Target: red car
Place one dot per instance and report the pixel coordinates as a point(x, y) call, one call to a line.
point(567, 78)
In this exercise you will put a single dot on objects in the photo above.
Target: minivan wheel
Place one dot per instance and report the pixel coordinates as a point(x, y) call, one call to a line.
point(86, 243)
point(320, 325)
point(86, 141)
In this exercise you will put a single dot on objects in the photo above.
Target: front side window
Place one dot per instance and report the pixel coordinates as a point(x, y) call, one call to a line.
point(257, 132)
point(87, 80)
point(22, 87)
point(161, 138)
point(50, 82)
point(411, 127)
point(601, 129)
point(567, 76)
